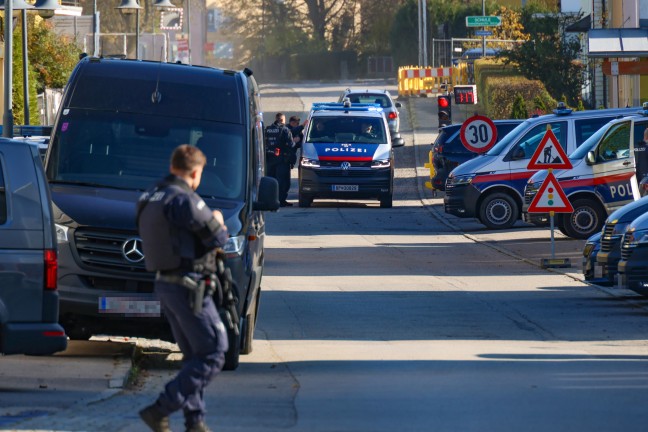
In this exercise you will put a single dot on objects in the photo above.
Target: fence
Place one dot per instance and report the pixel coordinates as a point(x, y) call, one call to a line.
point(417, 81)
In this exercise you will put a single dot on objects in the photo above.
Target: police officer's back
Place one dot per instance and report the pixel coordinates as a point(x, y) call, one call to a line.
point(179, 236)
point(279, 150)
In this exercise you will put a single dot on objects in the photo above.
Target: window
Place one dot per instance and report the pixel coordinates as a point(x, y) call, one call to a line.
point(525, 148)
point(3, 198)
point(585, 128)
point(616, 143)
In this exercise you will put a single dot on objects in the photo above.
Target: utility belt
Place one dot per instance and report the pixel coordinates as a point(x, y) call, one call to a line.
point(217, 284)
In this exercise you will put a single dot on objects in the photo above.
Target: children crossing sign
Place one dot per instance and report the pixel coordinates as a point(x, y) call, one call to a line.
point(550, 198)
point(549, 154)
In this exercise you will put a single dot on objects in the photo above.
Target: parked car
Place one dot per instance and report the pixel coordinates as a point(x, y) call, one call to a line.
point(448, 151)
point(612, 234)
point(491, 187)
point(380, 97)
point(593, 271)
point(29, 299)
point(633, 266)
point(603, 178)
point(117, 125)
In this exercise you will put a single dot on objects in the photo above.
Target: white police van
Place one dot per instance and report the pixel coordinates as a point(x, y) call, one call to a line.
point(601, 180)
point(347, 154)
point(491, 187)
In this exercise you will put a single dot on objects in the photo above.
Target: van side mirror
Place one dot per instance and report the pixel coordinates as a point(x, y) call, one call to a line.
point(268, 196)
point(591, 158)
point(518, 153)
point(398, 105)
point(397, 141)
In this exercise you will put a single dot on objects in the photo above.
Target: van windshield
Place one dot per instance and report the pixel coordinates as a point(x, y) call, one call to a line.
point(507, 140)
point(589, 144)
point(365, 130)
point(132, 151)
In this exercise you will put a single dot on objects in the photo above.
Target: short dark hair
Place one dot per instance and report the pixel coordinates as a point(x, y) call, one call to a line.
point(279, 116)
point(187, 158)
point(294, 118)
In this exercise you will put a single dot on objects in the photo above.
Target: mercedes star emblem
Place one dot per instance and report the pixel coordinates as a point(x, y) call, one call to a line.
point(132, 250)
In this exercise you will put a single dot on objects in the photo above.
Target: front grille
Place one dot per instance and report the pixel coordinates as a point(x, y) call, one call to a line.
point(529, 194)
point(336, 164)
point(606, 238)
point(102, 250)
point(348, 173)
point(626, 249)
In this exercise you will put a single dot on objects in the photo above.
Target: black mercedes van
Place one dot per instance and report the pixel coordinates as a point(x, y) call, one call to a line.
point(113, 136)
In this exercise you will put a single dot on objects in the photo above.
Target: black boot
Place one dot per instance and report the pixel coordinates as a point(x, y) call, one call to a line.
point(198, 427)
point(154, 419)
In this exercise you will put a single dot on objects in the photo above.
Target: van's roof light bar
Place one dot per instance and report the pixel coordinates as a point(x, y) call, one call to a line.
point(562, 109)
point(644, 109)
point(345, 106)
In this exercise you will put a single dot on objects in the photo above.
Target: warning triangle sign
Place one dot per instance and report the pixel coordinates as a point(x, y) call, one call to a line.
point(550, 197)
point(549, 154)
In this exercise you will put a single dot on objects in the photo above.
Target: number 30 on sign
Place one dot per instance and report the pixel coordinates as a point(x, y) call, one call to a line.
point(478, 134)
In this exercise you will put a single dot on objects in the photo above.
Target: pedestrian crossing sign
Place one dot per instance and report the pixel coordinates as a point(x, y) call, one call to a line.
point(549, 154)
point(550, 198)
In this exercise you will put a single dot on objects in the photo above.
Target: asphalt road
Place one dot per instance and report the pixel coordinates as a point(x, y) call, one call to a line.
point(407, 319)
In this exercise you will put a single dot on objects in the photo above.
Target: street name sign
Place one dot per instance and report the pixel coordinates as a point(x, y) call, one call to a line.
point(483, 21)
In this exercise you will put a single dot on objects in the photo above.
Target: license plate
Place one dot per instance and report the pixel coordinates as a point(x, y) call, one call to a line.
point(129, 306)
point(345, 188)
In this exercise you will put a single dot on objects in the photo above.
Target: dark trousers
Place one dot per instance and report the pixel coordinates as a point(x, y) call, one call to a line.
point(203, 342)
point(280, 170)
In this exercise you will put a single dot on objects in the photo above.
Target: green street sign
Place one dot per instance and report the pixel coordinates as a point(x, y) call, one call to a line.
point(483, 21)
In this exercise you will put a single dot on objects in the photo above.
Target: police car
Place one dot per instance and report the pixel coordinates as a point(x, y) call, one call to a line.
point(491, 187)
point(347, 154)
point(602, 179)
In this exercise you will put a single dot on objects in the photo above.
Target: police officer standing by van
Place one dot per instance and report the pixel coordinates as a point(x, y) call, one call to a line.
point(641, 157)
point(279, 150)
point(180, 235)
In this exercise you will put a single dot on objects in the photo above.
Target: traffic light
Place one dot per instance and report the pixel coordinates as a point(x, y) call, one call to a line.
point(444, 103)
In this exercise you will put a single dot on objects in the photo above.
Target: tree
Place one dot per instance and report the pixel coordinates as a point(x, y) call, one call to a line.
point(549, 55)
point(519, 110)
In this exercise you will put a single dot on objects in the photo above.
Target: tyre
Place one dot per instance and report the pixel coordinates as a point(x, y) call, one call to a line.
point(587, 219)
point(386, 201)
point(248, 328)
point(305, 200)
point(233, 353)
point(499, 211)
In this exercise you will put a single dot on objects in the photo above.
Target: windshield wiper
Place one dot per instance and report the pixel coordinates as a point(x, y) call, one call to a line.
point(90, 184)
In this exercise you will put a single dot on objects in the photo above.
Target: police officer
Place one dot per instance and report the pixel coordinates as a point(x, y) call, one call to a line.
point(297, 131)
point(279, 149)
point(641, 156)
point(179, 236)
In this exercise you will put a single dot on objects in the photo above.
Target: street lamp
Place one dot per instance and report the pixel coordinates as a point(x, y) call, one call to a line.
point(9, 6)
point(127, 7)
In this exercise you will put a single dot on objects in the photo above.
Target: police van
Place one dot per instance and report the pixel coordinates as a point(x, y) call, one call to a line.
point(347, 154)
point(602, 179)
point(491, 187)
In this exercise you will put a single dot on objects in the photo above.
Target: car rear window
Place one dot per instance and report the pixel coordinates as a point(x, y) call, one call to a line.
point(380, 99)
point(3, 198)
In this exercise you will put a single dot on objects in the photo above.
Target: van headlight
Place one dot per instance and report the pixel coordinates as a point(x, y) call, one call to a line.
point(635, 238)
point(234, 245)
point(619, 229)
point(381, 163)
point(462, 179)
point(61, 233)
point(311, 163)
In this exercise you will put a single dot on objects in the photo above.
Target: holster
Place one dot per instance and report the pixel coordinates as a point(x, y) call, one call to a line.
point(196, 289)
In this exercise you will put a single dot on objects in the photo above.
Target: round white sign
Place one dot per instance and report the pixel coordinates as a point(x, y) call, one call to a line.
point(478, 134)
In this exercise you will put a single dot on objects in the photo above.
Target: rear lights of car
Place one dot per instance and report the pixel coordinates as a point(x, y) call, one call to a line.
point(392, 115)
point(51, 269)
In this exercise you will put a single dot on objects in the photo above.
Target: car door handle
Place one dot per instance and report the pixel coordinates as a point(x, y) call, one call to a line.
point(626, 163)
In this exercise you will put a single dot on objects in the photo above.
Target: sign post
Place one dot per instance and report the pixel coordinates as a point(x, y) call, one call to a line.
point(550, 197)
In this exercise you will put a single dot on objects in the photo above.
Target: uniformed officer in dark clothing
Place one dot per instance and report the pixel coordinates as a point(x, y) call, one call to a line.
point(297, 131)
point(279, 150)
point(180, 235)
point(641, 157)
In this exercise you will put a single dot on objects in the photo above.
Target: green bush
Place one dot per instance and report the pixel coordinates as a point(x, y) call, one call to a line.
point(500, 94)
point(519, 110)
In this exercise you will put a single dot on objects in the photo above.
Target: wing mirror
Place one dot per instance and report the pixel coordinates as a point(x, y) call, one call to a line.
point(268, 196)
point(397, 141)
point(591, 158)
point(398, 105)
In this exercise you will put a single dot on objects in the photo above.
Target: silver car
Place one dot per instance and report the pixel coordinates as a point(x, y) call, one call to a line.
point(380, 97)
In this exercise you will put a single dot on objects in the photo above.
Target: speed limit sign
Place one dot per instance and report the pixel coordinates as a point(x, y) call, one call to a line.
point(478, 134)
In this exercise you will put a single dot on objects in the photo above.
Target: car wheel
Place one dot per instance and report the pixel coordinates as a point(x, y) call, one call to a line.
point(250, 324)
point(586, 220)
point(305, 200)
point(386, 201)
point(499, 211)
point(233, 353)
